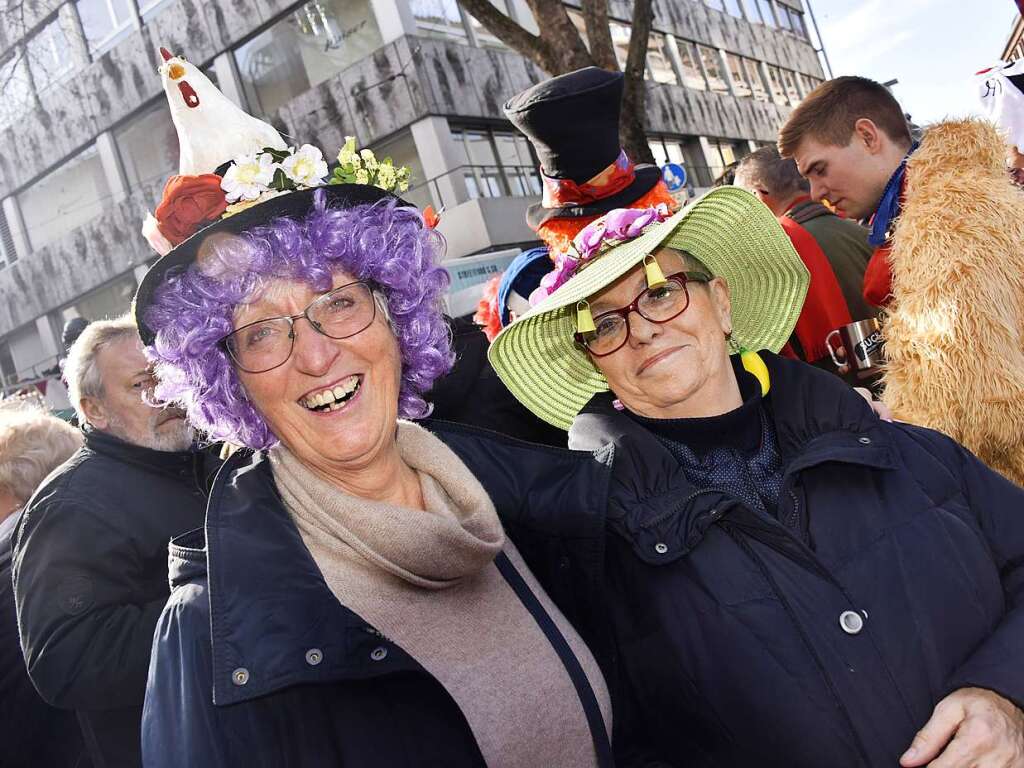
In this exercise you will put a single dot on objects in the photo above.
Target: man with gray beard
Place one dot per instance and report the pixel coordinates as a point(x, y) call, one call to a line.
point(90, 558)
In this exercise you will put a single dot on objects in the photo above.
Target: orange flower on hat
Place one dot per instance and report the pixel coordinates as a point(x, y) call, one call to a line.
point(188, 203)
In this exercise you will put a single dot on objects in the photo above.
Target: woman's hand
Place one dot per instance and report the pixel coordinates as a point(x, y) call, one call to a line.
point(970, 727)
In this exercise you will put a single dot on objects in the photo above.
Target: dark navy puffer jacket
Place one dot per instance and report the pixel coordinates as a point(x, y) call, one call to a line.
point(892, 576)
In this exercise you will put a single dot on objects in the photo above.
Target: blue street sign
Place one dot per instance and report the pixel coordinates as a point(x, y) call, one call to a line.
point(674, 175)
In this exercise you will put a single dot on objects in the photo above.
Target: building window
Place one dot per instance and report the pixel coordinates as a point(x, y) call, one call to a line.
point(438, 18)
point(150, 8)
point(17, 91)
point(148, 146)
point(48, 56)
point(777, 87)
point(684, 151)
point(782, 14)
point(724, 154)
point(8, 252)
point(306, 47)
point(740, 85)
point(796, 20)
point(792, 91)
point(64, 199)
point(733, 8)
point(104, 22)
point(620, 41)
point(713, 68)
point(692, 75)
point(8, 373)
point(496, 163)
point(112, 300)
point(756, 80)
point(402, 151)
point(659, 63)
point(765, 8)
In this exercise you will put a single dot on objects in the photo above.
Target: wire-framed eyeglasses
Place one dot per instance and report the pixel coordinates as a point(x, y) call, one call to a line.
point(266, 344)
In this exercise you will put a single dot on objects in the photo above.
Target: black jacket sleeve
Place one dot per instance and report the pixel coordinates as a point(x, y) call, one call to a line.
point(85, 638)
point(998, 507)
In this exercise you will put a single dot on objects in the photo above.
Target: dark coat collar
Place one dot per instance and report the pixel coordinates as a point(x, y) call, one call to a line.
point(818, 419)
point(105, 444)
point(270, 608)
point(269, 603)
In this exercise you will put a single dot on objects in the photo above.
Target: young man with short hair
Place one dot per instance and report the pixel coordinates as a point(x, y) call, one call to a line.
point(851, 141)
point(950, 267)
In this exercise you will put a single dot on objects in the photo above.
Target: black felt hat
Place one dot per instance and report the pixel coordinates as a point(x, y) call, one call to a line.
point(573, 123)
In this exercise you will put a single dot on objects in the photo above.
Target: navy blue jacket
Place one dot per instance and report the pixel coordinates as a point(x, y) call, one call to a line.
point(256, 664)
point(729, 623)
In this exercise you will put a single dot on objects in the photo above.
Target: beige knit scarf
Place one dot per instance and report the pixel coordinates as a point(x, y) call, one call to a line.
point(427, 581)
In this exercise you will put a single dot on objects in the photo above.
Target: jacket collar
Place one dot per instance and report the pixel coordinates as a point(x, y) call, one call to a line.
point(270, 606)
point(173, 462)
point(890, 204)
point(818, 419)
point(274, 622)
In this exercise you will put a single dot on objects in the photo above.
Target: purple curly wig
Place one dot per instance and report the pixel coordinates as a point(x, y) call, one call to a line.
point(383, 243)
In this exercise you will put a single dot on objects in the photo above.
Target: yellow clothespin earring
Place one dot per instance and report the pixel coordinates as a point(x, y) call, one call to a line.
point(655, 276)
point(584, 319)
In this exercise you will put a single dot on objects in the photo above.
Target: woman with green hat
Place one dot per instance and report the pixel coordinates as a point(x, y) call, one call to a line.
point(785, 578)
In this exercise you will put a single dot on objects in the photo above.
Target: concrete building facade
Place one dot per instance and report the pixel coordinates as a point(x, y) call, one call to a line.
point(89, 143)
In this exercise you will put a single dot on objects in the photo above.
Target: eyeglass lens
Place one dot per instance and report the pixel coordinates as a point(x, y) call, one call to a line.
point(659, 305)
point(267, 344)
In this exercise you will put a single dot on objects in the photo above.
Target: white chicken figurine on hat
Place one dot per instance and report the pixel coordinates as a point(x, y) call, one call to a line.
point(212, 130)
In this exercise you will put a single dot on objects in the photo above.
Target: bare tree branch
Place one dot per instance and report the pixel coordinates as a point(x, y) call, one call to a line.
point(511, 34)
point(634, 137)
point(595, 20)
point(561, 34)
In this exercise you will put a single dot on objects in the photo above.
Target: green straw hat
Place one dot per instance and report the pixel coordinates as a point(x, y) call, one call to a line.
point(728, 230)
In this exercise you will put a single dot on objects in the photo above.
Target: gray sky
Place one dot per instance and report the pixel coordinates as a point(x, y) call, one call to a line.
point(932, 47)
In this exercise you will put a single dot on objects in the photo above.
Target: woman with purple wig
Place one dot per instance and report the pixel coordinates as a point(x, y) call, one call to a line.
point(353, 599)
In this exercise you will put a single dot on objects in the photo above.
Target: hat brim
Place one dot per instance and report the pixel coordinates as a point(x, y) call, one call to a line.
point(293, 205)
point(646, 176)
point(728, 230)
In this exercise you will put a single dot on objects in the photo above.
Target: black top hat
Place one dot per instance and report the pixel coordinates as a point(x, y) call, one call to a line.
point(573, 123)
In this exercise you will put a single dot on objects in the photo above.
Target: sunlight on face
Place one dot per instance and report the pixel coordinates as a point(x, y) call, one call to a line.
point(676, 369)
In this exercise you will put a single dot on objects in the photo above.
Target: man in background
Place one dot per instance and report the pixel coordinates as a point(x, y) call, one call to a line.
point(90, 559)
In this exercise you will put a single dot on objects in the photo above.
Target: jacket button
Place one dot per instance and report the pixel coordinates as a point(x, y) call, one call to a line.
point(851, 622)
point(314, 656)
point(379, 653)
point(661, 548)
point(864, 440)
point(240, 676)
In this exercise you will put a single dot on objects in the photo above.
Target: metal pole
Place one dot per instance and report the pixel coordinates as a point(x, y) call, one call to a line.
point(821, 42)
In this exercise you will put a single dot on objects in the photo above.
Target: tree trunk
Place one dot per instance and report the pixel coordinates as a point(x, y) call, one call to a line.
point(559, 49)
point(634, 97)
point(599, 35)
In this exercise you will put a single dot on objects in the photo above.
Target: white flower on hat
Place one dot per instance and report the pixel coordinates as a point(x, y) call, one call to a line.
point(306, 166)
point(248, 177)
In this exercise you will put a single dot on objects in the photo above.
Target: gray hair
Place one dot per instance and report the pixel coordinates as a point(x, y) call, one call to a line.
point(777, 176)
point(32, 444)
point(80, 370)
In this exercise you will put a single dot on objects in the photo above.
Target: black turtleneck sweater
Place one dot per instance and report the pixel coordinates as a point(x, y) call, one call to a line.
point(736, 451)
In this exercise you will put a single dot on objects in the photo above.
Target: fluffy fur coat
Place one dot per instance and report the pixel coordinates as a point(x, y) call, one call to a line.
point(955, 331)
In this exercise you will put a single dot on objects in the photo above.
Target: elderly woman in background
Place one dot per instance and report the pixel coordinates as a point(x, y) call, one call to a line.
point(32, 444)
point(789, 581)
point(355, 601)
